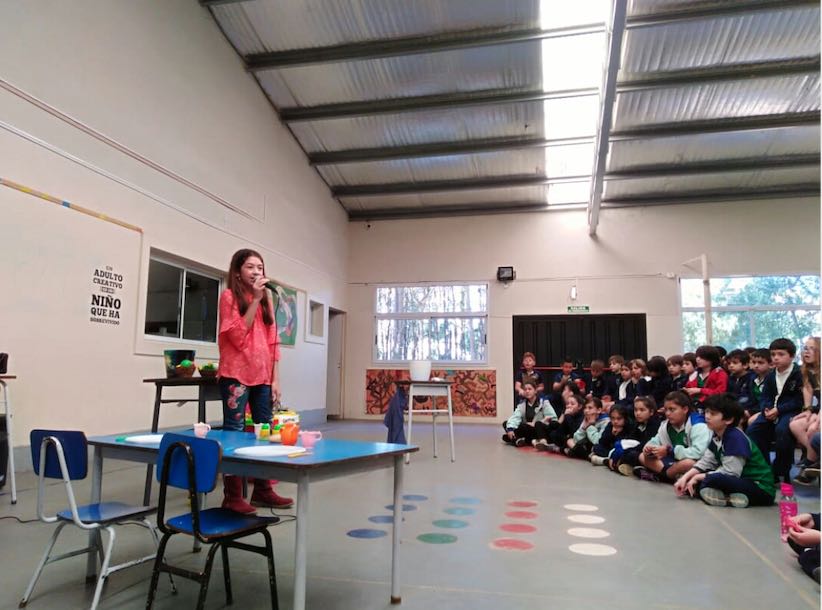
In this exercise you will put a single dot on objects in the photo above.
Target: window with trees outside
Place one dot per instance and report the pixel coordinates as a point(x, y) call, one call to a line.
point(440, 323)
point(751, 311)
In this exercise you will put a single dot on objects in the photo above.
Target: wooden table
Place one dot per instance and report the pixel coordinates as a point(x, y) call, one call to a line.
point(432, 389)
point(10, 431)
point(208, 388)
point(330, 458)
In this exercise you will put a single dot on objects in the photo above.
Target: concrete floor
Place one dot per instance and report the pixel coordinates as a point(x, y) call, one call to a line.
point(671, 553)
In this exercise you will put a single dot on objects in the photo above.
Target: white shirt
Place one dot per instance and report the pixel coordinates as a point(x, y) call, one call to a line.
point(781, 378)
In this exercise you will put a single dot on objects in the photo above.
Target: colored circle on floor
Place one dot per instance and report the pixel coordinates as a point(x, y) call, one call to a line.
point(436, 538)
point(450, 523)
point(511, 544)
point(464, 500)
point(518, 528)
point(414, 497)
point(405, 507)
point(367, 533)
point(459, 511)
point(381, 519)
point(592, 550)
point(583, 508)
point(586, 519)
point(523, 504)
point(521, 514)
point(588, 532)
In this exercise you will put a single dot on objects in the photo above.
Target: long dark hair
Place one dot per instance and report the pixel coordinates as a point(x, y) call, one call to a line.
point(235, 285)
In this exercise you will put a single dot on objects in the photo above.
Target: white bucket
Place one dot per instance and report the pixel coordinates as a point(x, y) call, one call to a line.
point(420, 370)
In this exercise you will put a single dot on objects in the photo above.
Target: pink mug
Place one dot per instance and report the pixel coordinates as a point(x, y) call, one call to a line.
point(309, 438)
point(201, 429)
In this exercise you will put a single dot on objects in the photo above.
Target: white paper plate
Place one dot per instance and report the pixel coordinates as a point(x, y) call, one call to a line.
point(145, 439)
point(268, 450)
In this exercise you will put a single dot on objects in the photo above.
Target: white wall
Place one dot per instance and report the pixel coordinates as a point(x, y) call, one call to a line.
point(158, 79)
point(622, 270)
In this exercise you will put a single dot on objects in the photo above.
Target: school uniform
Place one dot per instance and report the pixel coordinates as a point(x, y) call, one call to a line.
point(602, 386)
point(606, 444)
point(586, 438)
point(716, 382)
point(642, 433)
point(536, 411)
point(741, 388)
point(677, 383)
point(658, 387)
point(521, 375)
point(688, 442)
point(560, 431)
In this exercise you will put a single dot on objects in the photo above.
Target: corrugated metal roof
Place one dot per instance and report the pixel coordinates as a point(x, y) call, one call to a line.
point(750, 144)
point(273, 25)
point(695, 45)
point(729, 99)
point(514, 66)
point(755, 37)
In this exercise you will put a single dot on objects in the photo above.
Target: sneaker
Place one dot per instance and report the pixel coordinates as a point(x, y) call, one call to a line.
point(645, 474)
point(551, 447)
point(520, 442)
point(567, 452)
point(541, 445)
point(507, 440)
point(714, 497)
point(625, 470)
point(803, 478)
point(598, 460)
point(815, 574)
point(738, 500)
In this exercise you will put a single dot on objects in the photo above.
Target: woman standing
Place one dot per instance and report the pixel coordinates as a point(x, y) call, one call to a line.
point(249, 355)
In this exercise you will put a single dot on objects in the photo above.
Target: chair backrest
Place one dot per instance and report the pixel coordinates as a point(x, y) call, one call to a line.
point(206, 455)
point(75, 451)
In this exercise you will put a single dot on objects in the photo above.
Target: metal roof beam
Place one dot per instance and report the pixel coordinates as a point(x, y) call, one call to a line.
point(795, 190)
point(432, 186)
point(439, 149)
point(424, 102)
point(606, 110)
point(721, 8)
point(713, 167)
point(412, 45)
point(695, 76)
point(456, 210)
point(762, 121)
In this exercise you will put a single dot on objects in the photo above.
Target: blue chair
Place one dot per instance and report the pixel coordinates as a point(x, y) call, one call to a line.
point(191, 463)
point(61, 454)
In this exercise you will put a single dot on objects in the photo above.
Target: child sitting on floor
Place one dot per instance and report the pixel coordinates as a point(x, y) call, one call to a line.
point(740, 380)
point(619, 429)
point(520, 429)
point(804, 539)
point(678, 376)
point(732, 472)
point(553, 436)
point(589, 431)
point(677, 445)
point(646, 425)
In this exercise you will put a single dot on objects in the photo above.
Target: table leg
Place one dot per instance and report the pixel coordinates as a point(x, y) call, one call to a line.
point(434, 423)
point(410, 417)
point(451, 425)
point(201, 405)
point(94, 538)
point(155, 422)
point(10, 432)
point(395, 542)
point(301, 541)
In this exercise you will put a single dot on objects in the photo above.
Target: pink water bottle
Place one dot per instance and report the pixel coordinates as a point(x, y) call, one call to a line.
point(787, 509)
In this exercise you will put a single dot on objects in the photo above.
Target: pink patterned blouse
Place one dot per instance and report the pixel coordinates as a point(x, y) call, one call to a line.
point(246, 354)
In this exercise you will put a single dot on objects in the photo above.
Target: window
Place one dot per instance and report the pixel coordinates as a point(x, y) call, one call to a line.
point(751, 310)
point(440, 323)
point(181, 302)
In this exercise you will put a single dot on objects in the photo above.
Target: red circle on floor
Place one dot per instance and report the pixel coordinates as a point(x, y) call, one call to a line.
point(518, 528)
point(512, 544)
point(523, 503)
point(521, 514)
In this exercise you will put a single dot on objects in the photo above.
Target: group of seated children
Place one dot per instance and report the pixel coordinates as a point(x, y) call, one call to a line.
point(616, 422)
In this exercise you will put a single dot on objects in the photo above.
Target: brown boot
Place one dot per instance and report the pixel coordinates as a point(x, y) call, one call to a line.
point(263, 495)
point(234, 500)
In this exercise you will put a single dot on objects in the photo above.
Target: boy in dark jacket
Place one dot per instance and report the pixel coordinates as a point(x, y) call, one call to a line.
point(781, 399)
point(740, 380)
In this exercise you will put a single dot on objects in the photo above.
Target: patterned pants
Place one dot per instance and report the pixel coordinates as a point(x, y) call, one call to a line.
point(236, 396)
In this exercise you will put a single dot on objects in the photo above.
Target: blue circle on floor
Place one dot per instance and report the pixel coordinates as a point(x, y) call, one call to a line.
point(367, 533)
point(450, 523)
point(466, 501)
point(381, 519)
point(414, 497)
point(459, 510)
point(405, 507)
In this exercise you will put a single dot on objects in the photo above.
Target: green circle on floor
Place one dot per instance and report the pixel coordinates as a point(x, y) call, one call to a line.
point(458, 510)
point(437, 538)
point(450, 523)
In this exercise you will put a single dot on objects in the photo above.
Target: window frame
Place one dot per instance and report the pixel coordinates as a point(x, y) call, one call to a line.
point(749, 309)
point(185, 267)
point(428, 316)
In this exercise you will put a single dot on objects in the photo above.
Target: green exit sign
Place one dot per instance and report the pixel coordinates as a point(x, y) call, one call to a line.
point(579, 309)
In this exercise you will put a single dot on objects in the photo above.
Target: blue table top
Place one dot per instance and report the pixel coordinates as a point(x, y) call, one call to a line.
point(326, 451)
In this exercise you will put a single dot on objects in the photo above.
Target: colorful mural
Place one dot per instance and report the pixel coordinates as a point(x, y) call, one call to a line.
point(474, 392)
point(285, 306)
